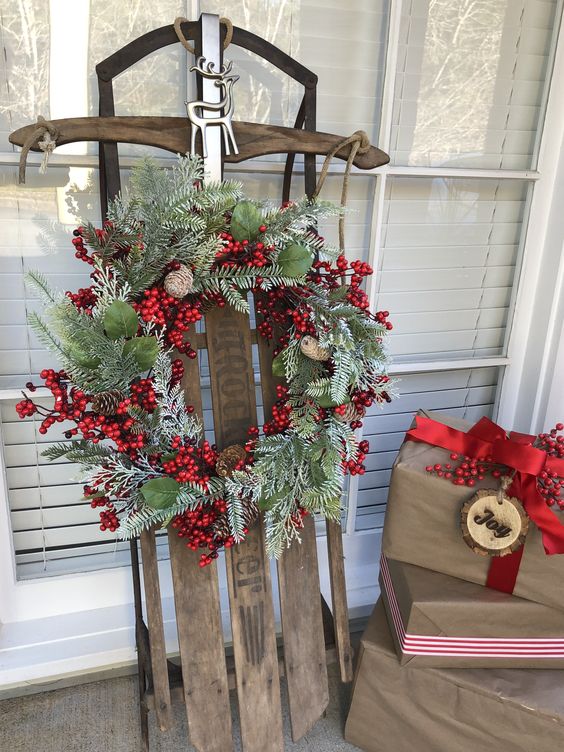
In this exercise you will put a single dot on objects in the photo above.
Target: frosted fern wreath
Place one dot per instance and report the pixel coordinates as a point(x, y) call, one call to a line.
point(171, 249)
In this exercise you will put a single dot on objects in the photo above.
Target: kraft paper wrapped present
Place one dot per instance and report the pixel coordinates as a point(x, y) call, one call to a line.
point(422, 524)
point(409, 709)
point(441, 621)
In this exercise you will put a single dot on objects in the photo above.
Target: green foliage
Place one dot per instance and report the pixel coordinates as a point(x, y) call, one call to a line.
point(160, 493)
point(245, 221)
point(169, 215)
point(144, 350)
point(120, 320)
point(295, 260)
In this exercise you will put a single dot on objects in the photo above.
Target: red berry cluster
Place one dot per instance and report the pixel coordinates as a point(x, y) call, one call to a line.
point(281, 411)
point(301, 320)
point(177, 371)
point(465, 471)
point(143, 395)
point(356, 467)
point(549, 482)
point(175, 316)
point(79, 248)
point(191, 464)
point(84, 300)
point(196, 527)
point(235, 253)
point(108, 517)
point(68, 405)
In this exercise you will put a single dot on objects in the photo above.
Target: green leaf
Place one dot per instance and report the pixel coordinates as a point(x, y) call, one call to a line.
point(245, 221)
point(120, 320)
point(160, 493)
point(294, 260)
point(325, 400)
point(267, 502)
point(144, 349)
point(278, 367)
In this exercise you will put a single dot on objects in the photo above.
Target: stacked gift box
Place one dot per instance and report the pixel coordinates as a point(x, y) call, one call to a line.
point(465, 648)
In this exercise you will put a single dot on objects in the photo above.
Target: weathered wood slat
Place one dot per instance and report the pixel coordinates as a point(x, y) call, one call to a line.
point(198, 620)
point(336, 559)
point(302, 627)
point(156, 629)
point(173, 134)
point(202, 652)
point(248, 570)
point(300, 604)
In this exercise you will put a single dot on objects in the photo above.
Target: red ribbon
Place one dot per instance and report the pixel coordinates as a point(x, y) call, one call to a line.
point(486, 439)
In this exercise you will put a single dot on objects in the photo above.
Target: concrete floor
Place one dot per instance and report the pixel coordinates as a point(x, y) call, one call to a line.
point(103, 717)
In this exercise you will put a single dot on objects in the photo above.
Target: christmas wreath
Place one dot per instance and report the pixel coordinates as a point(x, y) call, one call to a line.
point(171, 248)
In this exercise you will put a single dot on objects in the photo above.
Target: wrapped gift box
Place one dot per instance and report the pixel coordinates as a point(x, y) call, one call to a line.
point(441, 621)
point(422, 525)
point(412, 709)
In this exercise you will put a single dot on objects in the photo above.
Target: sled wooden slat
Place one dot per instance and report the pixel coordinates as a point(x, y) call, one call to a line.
point(156, 629)
point(336, 560)
point(202, 651)
point(248, 569)
point(173, 134)
point(300, 606)
point(302, 628)
point(198, 620)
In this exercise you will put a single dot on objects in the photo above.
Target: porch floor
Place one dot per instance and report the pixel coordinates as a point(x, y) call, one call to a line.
point(103, 717)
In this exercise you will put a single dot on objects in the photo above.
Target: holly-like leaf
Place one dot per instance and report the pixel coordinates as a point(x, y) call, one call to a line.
point(144, 349)
point(267, 502)
point(325, 400)
point(120, 320)
point(295, 260)
point(278, 367)
point(245, 221)
point(160, 493)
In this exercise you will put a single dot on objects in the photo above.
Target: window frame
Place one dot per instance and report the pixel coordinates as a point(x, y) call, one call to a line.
point(43, 600)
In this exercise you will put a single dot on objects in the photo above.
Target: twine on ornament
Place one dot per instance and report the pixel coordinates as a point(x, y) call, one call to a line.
point(186, 44)
point(359, 144)
point(48, 134)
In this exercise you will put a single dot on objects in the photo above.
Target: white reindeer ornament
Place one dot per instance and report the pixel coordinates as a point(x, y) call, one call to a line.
point(198, 111)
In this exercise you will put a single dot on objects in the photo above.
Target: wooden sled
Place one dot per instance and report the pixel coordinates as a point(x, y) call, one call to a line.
point(311, 631)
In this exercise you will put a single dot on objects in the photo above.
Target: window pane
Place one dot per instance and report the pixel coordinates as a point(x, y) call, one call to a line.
point(343, 43)
point(469, 81)
point(467, 394)
point(447, 265)
point(24, 66)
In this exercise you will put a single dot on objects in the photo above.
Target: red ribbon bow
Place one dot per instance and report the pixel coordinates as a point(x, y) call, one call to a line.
point(487, 439)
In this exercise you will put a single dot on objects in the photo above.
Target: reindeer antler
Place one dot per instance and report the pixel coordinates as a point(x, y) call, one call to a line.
point(207, 70)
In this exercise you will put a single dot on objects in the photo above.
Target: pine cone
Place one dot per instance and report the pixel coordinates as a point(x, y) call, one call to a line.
point(312, 349)
point(106, 403)
point(179, 283)
point(351, 413)
point(229, 459)
point(221, 526)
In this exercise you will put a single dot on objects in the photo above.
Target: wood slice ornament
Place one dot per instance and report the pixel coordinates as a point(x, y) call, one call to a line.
point(493, 523)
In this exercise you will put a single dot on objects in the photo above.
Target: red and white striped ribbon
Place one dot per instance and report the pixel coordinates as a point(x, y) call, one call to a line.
point(485, 647)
